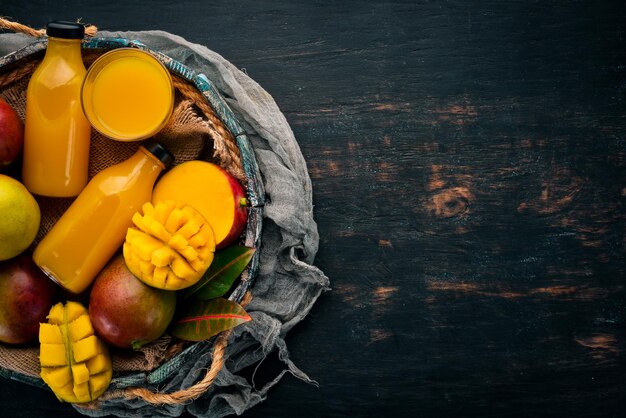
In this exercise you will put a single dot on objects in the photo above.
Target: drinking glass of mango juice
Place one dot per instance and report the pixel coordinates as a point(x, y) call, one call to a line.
point(127, 94)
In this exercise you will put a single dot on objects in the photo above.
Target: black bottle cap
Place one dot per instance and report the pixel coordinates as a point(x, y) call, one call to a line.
point(159, 151)
point(66, 30)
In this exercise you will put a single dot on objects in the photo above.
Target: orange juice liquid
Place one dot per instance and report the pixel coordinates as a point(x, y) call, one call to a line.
point(128, 95)
point(57, 134)
point(94, 226)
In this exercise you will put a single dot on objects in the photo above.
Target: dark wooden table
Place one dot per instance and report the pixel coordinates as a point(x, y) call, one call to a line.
point(468, 164)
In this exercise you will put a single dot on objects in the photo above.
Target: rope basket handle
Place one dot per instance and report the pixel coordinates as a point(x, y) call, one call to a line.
point(90, 30)
point(179, 396)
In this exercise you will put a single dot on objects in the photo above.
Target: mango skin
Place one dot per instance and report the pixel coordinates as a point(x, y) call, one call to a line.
point(124, 311)
point(26, 295)
point(11, 134)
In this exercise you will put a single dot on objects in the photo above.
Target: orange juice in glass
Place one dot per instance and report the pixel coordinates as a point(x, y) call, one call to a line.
point(127, 94)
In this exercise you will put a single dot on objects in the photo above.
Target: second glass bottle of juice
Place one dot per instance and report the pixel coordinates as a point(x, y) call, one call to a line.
point(57, 133)
point(94, 226)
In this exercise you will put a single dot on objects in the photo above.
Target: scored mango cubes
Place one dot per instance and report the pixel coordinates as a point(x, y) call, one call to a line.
point(75, 364)
point(170, 246)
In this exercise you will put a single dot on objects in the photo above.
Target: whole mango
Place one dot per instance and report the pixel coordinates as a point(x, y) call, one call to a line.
point(26, 295)
point(20, 218)
point(125, 311)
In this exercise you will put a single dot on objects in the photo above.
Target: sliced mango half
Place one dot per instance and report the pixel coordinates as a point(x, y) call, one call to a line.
point(75, 363)
point(170, 245)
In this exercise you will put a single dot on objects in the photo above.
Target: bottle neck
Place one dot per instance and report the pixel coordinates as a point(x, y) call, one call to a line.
point(152, 158)
point(67, 48)
point(144, 164)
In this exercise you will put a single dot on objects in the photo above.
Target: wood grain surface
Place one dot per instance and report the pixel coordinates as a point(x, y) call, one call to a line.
point(468, 166)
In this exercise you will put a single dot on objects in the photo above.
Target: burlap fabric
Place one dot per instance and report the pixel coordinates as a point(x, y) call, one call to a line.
point(287, 285)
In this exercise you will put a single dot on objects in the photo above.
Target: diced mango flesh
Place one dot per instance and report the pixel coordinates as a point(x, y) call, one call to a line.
point(81, 328)
point(78, 367)
point(85, 349)
point(97, 364)
point(81, 391)
point(99, 382)
point(170, 246)
point(74, 310)
point(53, 355)
point(60, 375)
point(80, 373)
point(56, 315)
point(50, 334)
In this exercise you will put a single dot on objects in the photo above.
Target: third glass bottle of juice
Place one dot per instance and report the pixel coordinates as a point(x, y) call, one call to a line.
point(57, 133)
point(94, 226)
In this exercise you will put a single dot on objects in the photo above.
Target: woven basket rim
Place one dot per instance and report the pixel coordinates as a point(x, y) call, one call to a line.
point(251, 178)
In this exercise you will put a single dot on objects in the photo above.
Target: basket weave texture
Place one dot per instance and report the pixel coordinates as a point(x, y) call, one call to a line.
point(195, 131)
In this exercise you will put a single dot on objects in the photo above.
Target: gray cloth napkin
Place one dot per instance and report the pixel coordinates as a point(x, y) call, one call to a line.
point(288, 284)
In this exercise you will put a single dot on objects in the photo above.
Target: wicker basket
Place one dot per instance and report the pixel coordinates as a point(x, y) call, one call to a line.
point(222, 142)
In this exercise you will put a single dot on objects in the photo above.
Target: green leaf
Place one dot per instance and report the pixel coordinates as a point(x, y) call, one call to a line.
point(202, 319)
point(224, 270)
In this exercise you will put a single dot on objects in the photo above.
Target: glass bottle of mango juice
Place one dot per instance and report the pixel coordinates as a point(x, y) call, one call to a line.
point(57, 133)
point(93, 228)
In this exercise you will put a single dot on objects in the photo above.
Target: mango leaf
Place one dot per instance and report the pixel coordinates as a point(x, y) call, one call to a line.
point(224, 270)
point(202, 319)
